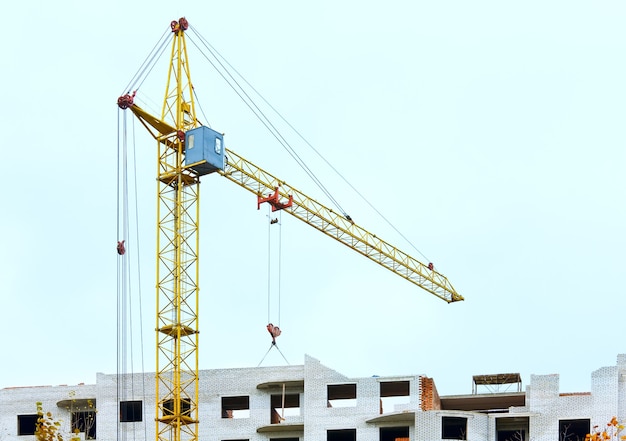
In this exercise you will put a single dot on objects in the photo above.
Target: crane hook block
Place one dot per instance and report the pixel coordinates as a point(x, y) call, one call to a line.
point(274, 332)
point(204, 150)
point(121, 249)
point(274, 201)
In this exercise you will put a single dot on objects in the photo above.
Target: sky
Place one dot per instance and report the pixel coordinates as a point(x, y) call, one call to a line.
point(488, 133)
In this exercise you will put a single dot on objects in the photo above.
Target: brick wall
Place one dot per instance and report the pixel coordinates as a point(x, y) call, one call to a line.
point(429, 397)
point(545, 405)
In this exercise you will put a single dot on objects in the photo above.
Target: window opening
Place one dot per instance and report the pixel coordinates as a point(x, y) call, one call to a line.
point(281, 409)
point(394, 393)
point(512, 428)
point(454, 427)
point(85, 422)
point(394, 433)
point(341, 395)
point(341, 435)
point(26, 424)
point(574, 430)
point(131, 411)
point(236, 407)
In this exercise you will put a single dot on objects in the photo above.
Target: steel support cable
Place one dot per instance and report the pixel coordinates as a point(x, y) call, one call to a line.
point(263, 118)
point(268, 351)
point(255, 109)
point(125, 257)
point(148, 64)
point(128, 303)
point(269, 272)
point(139, 296)
point(280, 252)
point(218, 56)
point(138, 263)
point(123, 219)
point(269, 266)
point(214, 51)
point(125, 292)
point(193, 90)
point(343, 178)
point(119, 267)
point(121, 263)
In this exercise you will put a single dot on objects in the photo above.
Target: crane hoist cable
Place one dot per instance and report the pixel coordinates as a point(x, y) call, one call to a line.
point(125, 313)
point(122, 262)
point(137, 241)
point(270, 225)
point(274, 330)
point(271, 127)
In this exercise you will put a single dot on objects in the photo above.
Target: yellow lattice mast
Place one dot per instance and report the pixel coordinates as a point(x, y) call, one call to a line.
point(177, 267)
point(177, 251)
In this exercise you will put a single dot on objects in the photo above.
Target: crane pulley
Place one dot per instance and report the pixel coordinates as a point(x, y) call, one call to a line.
point(188, 150)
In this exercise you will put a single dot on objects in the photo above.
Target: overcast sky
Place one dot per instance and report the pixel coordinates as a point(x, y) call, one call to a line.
point(489, 133)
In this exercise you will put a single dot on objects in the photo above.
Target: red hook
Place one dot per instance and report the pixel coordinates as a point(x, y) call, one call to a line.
point(274, 332)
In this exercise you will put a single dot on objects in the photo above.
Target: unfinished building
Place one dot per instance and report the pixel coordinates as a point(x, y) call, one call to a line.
point(314, 402)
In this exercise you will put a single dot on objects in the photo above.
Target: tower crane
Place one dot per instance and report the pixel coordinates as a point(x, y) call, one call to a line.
point(188, 150)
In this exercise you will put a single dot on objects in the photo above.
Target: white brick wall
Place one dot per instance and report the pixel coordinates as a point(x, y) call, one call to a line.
point(23, 401)
point(545, 405)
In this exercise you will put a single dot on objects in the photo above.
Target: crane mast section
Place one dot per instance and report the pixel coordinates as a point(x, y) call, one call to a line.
point(337, 226)
point(177, 243)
